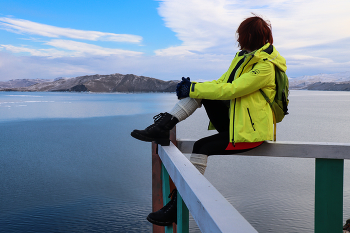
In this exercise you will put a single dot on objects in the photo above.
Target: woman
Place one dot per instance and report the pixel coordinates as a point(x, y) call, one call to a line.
point(235, 106)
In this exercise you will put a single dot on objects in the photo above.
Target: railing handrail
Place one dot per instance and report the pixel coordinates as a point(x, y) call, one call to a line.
point(211, 211)
point(318, 150)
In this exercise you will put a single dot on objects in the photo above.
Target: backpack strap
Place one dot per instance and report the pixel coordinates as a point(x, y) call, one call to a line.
point(265, 96)
point(273, 114)
point(275, 126)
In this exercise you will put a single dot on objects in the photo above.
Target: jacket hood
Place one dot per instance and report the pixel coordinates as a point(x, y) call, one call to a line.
point(269, 52)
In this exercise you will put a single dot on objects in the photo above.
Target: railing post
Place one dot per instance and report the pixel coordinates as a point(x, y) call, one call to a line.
point(182, 210)
point(182, 215)
point(157, 193)
point(329, 175)
point(166, 192)
point(161, 185)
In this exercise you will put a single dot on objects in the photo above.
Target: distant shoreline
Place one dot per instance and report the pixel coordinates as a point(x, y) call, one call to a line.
point(93, 83)
point(116, 92)
point(324, 86)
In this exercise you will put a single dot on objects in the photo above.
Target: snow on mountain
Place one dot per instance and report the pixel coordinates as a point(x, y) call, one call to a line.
point(304, 81)
point(16, 83)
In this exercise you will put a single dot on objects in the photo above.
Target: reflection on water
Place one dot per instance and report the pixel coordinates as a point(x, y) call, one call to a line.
point(18, 106)
point(82, 172)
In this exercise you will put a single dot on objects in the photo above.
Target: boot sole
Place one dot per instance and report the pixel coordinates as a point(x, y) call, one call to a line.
point(160, 141)
point(159, 223)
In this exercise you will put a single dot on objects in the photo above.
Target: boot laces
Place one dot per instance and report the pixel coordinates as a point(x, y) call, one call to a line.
point(173, 194)
point(157, 117)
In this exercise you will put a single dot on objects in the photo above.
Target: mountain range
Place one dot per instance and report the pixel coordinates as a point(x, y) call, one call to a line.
point(325, 82)
point(93, 83)
point(133, 83)
point(15, 83)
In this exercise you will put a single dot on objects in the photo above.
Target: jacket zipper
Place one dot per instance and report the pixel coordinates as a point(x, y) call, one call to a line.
point(251, 121)
point(232, 75)
point(234, 106)
point(245, 65)
point(233, 126)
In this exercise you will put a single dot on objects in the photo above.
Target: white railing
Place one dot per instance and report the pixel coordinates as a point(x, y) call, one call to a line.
point(213, 213)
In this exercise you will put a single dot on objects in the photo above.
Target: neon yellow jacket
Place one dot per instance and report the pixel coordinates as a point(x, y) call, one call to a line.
point(251, 118)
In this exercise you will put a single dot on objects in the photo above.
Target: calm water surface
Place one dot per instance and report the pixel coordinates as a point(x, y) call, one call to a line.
point(68, 164)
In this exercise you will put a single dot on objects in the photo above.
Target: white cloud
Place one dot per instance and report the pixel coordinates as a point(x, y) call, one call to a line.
point(199, 24)
point(63, 47)
point(165, 68)
point(81, 48)
point(22, 26)
point(309, 59)
point(312, 35)
point(202, 24)
point(69, 48)
point(34, 52)
point(20, 67)
point(306, 32)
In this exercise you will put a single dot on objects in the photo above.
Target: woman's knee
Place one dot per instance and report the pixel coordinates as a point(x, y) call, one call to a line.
point(198, 147)
point(208, 103)
point(214, 144)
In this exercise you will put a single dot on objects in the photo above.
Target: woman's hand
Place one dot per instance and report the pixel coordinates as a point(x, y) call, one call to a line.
point(183, 88)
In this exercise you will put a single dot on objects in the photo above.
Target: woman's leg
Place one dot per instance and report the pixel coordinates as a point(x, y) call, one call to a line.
point(215, 145)
point(164, 122)
point(218, 113)
point(184, 108)
point(199, 161)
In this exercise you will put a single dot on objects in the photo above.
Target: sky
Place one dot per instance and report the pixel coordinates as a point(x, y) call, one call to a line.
point(164, 39)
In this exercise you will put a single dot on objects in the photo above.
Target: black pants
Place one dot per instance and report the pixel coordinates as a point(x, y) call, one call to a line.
point(218, 113)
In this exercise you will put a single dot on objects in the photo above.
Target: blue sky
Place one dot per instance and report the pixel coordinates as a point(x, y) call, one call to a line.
point(164, 39)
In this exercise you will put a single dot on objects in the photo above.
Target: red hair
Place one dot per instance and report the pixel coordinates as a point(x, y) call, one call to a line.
point(253, 33)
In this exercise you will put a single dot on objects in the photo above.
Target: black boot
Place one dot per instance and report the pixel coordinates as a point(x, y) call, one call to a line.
point(159, 131)
point(347, 225)
point(166, 215)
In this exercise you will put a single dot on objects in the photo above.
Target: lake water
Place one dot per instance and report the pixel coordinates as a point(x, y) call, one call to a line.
point(69, 164)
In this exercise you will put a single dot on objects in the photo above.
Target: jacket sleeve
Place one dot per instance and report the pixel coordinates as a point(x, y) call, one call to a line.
point(261, 76)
